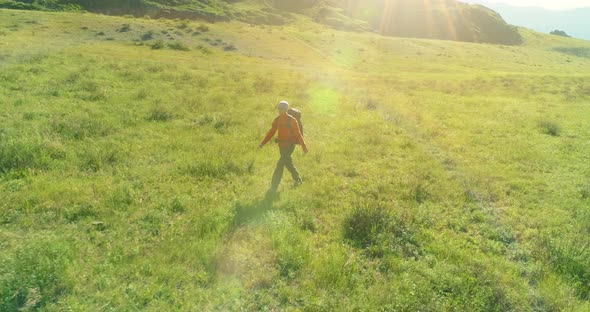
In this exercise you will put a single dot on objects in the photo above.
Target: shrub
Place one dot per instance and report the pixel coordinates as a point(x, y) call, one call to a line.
point(379, 232)
point(176, 206)
point(178, 46)
point(203, 49)
point(559, 33)
point(222, 125)
point(229, 47)
point(157, 45)
point(147, 36)
point(184, 24)
point(549, 128)
point(124, 28)
point(203, 28)
point(362, 225)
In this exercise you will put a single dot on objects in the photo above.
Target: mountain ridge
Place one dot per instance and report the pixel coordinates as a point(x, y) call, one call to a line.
point(438, 19)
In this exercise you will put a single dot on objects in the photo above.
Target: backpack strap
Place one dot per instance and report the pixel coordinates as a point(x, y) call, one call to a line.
point(289, 120)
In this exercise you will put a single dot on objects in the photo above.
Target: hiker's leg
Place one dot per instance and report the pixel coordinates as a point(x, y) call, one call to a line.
point(289, 163)
point(278, 174)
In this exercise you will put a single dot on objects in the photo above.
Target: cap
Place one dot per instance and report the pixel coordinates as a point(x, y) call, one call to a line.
point(283, 105)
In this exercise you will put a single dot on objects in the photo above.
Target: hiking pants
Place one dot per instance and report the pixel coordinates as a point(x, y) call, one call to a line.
point(284, 161)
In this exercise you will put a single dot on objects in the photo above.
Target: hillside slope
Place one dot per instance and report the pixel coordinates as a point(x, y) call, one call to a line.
point(574, 22)
point(438, 19)
point(441, 176)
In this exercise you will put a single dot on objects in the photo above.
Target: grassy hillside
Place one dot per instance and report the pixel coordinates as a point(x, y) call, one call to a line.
point(441, 175)
point(436, 19)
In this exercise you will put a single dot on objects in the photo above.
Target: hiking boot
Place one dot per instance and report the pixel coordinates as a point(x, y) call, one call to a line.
point(298, 182)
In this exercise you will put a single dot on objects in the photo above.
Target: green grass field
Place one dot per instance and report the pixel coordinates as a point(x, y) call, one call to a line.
point(442, 176)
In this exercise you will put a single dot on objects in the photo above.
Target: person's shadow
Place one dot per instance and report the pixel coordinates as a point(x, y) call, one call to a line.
point(244, 213)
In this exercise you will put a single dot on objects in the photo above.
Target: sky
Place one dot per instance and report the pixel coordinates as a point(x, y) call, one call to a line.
point(548, 4)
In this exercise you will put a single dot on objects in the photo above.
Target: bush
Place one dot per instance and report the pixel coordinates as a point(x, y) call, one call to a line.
point(19, 5)
point(559, 33)
point(203, 28)
point(203, 49)
point(549, 128)
point(147, 36)
point(157, 45)
point(184, 24)
point(124, 28)
point(178, 46)
point(229, 47)
point(378, 232)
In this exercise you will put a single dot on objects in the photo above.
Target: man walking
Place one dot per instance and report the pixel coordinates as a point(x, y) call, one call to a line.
point(289, 135)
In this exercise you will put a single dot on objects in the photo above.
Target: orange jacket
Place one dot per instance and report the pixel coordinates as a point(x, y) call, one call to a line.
point(287, 135)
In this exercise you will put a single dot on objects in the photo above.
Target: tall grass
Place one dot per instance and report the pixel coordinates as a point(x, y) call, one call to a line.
point(441, 175)
point(376, 230)
point(34, 275)
point(22, 153)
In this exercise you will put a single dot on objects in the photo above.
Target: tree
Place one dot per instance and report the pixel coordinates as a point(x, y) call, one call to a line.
point(560, 33)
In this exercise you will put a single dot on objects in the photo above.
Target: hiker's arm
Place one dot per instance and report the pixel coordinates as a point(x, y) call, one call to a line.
point(298, 136)
point(270, 133)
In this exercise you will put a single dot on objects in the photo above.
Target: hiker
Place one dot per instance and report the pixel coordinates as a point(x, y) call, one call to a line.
point(289, 136)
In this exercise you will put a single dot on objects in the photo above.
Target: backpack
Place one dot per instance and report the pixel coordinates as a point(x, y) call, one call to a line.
point(295, 113)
